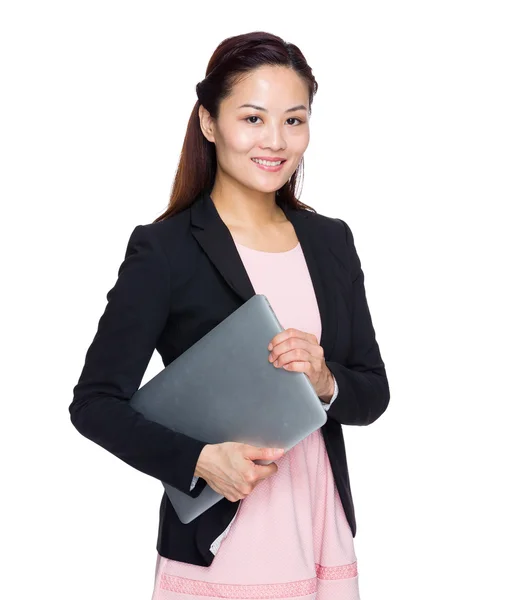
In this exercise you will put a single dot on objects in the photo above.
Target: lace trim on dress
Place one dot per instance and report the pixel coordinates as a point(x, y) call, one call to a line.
point(269, 590)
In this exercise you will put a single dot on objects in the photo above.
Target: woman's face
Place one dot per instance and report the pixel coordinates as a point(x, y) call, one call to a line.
point(279, 128)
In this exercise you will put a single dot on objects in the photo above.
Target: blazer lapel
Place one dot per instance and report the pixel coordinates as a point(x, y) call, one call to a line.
point(216, 240)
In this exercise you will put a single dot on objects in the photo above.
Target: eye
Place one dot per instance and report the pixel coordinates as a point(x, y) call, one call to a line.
point(299, 121)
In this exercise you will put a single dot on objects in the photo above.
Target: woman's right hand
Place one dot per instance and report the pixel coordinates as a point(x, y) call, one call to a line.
point(228, 468)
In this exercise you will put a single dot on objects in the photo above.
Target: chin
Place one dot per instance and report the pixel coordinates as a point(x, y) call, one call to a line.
point(268, 188)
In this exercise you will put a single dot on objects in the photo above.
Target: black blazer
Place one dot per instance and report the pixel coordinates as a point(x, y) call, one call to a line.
point(179, 279)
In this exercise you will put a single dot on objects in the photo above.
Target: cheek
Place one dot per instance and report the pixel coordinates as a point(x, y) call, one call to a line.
point(297, 146)
point(240, 141)
point(300, 142)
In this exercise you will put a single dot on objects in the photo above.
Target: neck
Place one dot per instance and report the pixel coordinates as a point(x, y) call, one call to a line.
point(241, 206)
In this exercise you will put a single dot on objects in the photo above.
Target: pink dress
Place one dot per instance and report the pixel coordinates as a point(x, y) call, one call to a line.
point(290, 538)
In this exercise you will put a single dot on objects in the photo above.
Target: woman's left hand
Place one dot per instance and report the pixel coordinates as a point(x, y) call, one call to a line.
point(296, 350)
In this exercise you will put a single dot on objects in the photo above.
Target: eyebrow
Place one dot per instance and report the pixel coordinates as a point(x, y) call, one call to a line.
point(298, 107)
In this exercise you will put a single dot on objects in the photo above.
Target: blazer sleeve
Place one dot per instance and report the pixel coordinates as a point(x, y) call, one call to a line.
point(362, 381)
point(127, 334)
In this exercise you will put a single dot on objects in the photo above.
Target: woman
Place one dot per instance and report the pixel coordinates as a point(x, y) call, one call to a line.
point(234, 228)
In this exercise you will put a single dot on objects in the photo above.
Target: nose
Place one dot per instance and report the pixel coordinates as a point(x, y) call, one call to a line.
point(273, 138)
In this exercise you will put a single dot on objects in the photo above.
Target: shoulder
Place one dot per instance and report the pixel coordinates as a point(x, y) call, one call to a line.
point(163, 237)
point(336, 234)
point(336, 230)
point(165, 247)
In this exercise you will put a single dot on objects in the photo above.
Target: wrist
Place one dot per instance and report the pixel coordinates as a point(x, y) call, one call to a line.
point(330, 389)
point(202, 458)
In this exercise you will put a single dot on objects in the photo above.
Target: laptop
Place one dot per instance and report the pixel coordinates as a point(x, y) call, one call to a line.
point(223, 388)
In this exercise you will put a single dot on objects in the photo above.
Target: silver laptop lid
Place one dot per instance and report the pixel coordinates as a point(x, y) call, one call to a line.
point(223, 388)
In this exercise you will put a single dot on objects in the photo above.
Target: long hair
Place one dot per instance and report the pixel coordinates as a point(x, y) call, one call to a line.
point(231, 60)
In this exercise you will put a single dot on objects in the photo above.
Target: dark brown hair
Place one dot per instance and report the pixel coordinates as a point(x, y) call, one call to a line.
point(232, 59)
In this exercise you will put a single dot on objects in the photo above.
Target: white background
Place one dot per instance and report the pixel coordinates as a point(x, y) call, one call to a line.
point(411, 145)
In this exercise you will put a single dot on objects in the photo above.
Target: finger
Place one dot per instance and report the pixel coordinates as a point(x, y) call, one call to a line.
point(300, 366)
point(293, 343)
point(286, 334)
point(312, 368)
point(313, 339)
point(296, 354)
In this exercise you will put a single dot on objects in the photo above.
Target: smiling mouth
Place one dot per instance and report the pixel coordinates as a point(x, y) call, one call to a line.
point(269, 166)
point(268, 163)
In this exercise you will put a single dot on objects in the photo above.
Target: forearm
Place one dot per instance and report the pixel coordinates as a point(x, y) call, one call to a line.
point(145, 445)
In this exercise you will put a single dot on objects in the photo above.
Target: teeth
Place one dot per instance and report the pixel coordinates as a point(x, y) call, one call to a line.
point(267, 163)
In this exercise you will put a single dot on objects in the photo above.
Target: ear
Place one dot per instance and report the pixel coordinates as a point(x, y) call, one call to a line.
point(206, 123)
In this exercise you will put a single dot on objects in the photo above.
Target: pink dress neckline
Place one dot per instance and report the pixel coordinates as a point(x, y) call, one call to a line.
point(296, 247)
